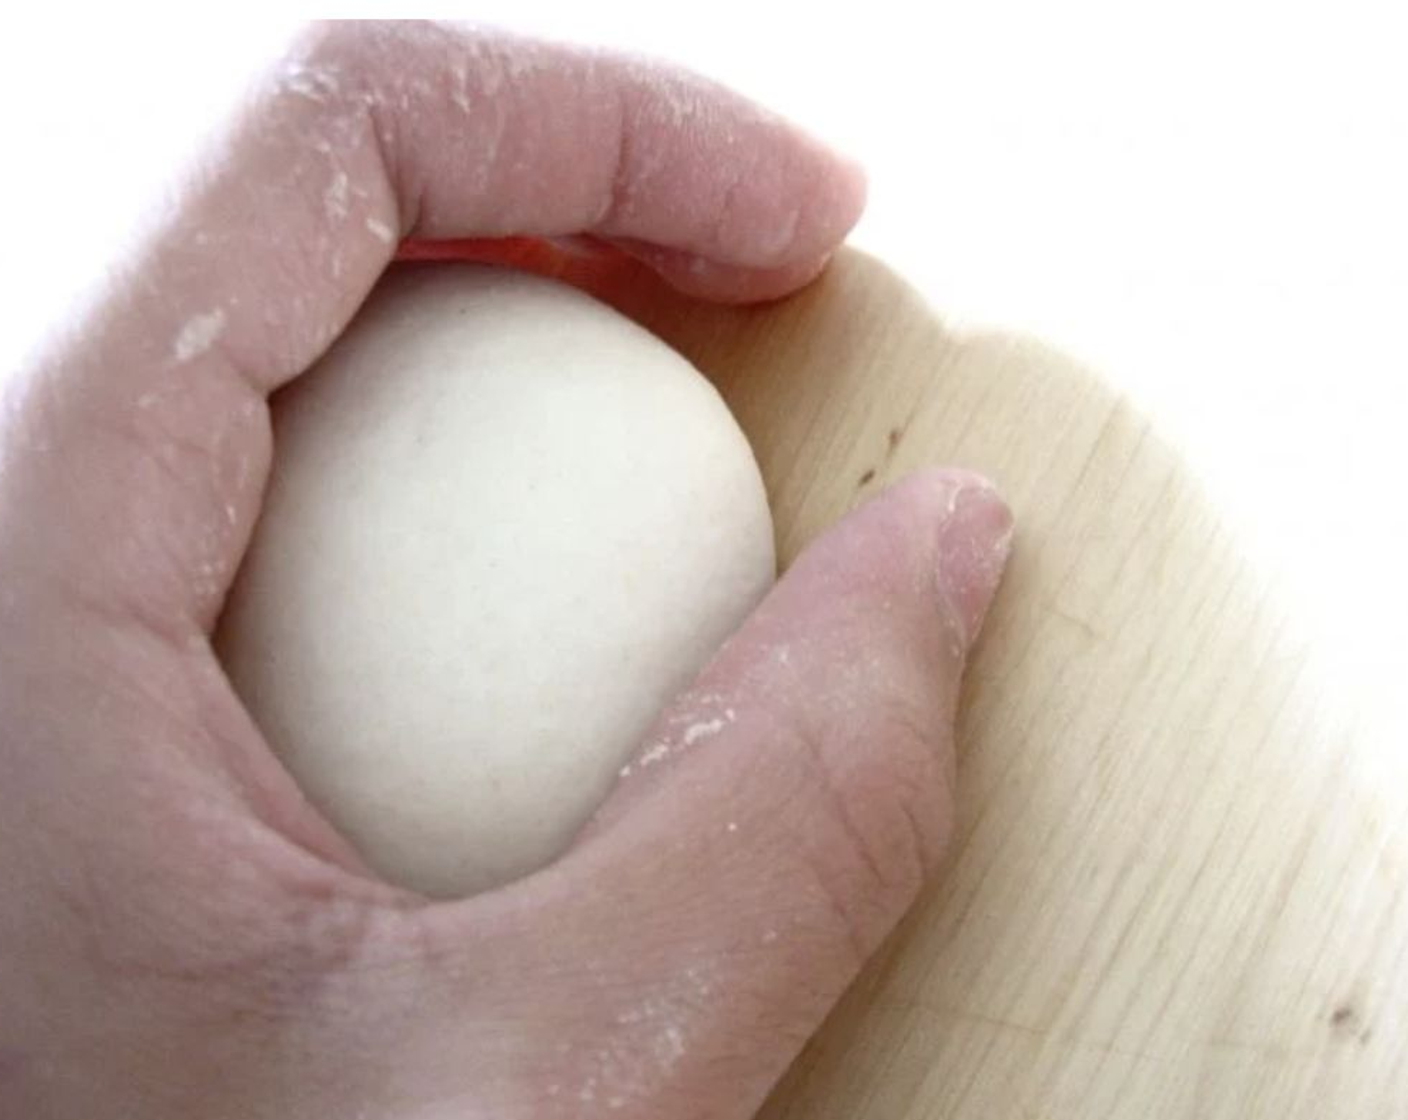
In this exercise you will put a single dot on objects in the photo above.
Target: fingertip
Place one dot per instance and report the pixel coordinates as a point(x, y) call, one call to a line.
point(829, 188)
point(972, 543)
point(947, 526)
point(851, 191)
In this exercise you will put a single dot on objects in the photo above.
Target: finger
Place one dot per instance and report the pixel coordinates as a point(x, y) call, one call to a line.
point(149, 413)
point(597, 265)
point(627, 148)
point(772, 830)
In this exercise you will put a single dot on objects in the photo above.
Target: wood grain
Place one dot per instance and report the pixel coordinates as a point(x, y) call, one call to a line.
point(1176, 889)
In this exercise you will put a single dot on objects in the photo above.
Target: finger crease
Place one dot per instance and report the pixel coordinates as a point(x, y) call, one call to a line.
point(618, 188)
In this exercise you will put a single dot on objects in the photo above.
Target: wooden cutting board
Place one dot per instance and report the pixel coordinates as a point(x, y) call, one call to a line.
point(1177, 889)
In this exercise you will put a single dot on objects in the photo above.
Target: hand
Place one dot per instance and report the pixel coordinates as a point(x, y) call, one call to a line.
point(181, 935)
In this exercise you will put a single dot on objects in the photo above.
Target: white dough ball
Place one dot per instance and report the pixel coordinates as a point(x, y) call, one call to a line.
point(505, 525)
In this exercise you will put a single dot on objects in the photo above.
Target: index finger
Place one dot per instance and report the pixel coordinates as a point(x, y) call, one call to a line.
point(371, 133)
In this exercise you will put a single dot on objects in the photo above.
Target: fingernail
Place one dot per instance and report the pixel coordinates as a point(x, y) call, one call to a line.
point(975, 536)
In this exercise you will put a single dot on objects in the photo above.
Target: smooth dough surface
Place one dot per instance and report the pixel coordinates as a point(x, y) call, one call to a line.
point(505, 525)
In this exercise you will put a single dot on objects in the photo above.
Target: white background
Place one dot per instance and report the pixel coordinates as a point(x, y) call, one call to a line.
point(1207, 202)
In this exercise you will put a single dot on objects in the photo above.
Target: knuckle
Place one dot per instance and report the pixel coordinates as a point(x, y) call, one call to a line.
point(328, 63)
point(329, 41)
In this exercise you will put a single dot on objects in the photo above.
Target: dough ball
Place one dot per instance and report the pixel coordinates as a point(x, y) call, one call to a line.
point(505, 525)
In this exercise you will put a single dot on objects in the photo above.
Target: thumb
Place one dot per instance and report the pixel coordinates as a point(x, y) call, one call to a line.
point(850, 667)
point(771, 831)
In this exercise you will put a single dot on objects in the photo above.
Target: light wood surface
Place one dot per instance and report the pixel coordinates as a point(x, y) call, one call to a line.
point(1177, 889)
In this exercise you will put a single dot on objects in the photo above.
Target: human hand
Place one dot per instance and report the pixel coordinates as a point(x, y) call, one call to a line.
point(182, 935)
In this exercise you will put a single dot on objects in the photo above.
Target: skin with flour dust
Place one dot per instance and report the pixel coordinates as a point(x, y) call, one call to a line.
point(194, 940)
